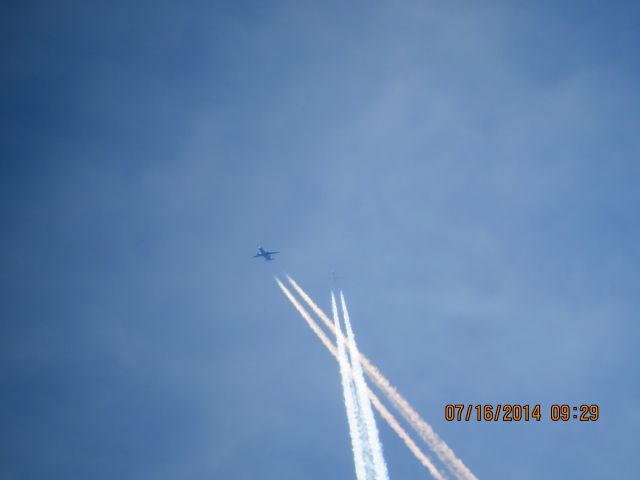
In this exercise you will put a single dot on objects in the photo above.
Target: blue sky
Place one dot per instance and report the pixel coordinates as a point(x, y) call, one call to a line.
point(470, 170)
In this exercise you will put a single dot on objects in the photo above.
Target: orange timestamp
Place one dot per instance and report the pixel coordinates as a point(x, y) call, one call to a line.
point(517, 412)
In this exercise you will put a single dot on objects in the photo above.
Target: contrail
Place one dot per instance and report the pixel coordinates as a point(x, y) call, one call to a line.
point(310, 321)
point(424, 430)
point(363, 398)
point(384, 412)
point(402, 433)
point(349, 400)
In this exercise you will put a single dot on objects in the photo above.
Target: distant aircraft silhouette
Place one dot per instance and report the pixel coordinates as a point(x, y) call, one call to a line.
point(265, 254)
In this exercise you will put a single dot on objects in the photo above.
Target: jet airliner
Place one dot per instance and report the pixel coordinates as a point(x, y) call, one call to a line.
point(265, 254)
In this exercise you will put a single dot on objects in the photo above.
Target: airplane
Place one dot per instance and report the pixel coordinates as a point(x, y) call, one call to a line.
point(265, 254)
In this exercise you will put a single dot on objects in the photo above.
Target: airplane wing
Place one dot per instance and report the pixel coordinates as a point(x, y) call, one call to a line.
point(271, 253)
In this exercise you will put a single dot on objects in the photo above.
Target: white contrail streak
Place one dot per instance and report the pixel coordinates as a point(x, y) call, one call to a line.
point(402, 433)
point(384, 412)
point(310, 321)
point(349, 400)
point(363, 399)
point(424, 430)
